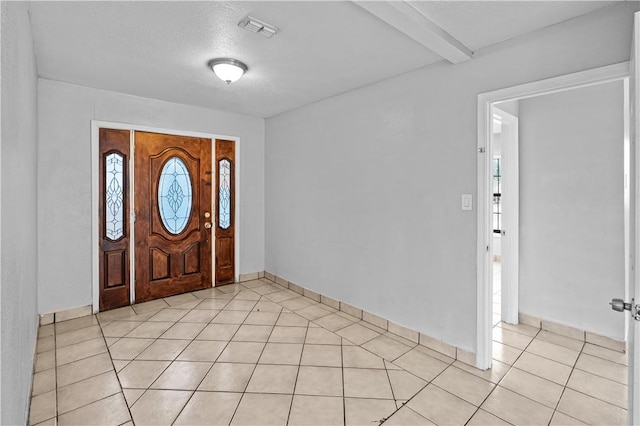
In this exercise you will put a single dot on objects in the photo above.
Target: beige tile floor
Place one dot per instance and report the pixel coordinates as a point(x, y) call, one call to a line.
point(256, 353)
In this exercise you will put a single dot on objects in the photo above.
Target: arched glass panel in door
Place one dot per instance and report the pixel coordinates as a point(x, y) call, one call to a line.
point(175, 195)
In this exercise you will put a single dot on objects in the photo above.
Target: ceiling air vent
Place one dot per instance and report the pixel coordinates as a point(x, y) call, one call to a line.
point(258, 27)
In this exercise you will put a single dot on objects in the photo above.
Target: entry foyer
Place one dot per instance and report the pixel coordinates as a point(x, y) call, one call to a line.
point(354, 264)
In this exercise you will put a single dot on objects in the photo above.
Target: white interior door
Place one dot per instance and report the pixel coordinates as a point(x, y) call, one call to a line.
point(510, 217)
point(633, 334)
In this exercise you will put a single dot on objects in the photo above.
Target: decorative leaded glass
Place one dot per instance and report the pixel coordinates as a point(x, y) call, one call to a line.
point(114, 196)
point(174, 195)
point(224, 194)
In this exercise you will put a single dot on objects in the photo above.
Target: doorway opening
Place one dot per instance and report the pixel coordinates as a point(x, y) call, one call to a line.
point(504, 214)
point(488, 105)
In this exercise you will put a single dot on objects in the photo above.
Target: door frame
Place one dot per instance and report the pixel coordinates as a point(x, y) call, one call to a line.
point(95, 213)
point(484, 265)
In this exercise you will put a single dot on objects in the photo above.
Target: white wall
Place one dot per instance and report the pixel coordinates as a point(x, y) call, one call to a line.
point(571, 207)
point(64, 184)
point(18, 224)
point(363, 189)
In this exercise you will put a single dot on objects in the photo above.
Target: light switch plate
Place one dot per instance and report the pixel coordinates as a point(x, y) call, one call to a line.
point(467, 202)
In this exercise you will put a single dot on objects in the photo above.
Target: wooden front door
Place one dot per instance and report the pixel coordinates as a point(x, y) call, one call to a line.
point(172, 215)
point(113, 205)
point(225, 211)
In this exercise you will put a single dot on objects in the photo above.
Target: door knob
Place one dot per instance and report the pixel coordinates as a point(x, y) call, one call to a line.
point(620, 305)
point(207, 225)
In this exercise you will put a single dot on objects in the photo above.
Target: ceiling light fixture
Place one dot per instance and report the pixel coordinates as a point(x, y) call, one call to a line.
point(228, 69)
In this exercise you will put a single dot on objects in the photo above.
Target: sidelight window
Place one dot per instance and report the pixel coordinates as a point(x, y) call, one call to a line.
point(224, 195)
point(114, 196)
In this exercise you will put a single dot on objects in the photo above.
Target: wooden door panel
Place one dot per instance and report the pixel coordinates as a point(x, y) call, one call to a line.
point(173, 193)
point(116, 270)
point(225, 212)
point(113, 206)
point(224, 248)
point(160, 264)
point(191, 259)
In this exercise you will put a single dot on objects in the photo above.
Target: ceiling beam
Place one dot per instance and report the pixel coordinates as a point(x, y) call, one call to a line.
point(405, 18)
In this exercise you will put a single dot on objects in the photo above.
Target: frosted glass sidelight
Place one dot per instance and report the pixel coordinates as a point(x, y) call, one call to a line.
point(175, 195)
point(114, 196)
point(224, 194)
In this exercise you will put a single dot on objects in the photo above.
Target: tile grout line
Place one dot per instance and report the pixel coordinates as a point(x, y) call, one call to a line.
point(84, 357)
point(210, 368)
point(428, 382)
point(55, 367)
point(344, 398)
point(583, 393)
point(596, 374)
point(386, 370)
point(511, 366)
point(334, 311)
point(55, 370)
point(114, 371)
point(255, 366)
point(107, 351)
point(93, 402)
point(176, 358)
point(605, 359)
point(170, 363)
point(410, 372)
point(414, 395)
point(295, 383)
point(383, 359)
point(564, 388)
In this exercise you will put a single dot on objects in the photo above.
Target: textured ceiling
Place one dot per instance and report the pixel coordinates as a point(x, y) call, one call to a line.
point(160, 49)
point(479, 24)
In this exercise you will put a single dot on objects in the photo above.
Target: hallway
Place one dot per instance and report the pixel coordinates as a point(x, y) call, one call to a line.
point(258, 353)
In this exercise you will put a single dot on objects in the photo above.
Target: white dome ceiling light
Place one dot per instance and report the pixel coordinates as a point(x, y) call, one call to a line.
point(228, 69)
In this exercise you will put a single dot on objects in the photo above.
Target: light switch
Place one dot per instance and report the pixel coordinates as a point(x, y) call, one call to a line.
point(467, 202)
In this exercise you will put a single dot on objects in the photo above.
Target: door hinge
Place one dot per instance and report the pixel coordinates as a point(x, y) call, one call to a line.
point(481, 150)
